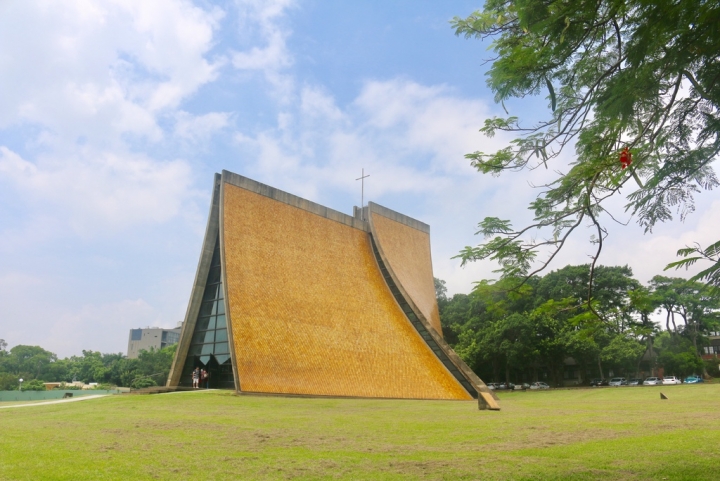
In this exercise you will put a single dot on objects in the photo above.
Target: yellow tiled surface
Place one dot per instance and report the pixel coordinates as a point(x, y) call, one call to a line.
point(311, 313)
point(407, 250)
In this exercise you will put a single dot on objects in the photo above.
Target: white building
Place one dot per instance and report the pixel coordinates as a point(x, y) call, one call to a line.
point(151, 337)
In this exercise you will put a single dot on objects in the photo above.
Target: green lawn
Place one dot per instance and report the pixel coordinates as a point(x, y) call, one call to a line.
point(605, 433)
point(17, 403)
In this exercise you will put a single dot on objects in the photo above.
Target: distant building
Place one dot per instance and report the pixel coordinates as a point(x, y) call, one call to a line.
point(713, 350)
point(151, 337)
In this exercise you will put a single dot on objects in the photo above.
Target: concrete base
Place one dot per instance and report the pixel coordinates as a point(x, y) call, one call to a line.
point(487, 401)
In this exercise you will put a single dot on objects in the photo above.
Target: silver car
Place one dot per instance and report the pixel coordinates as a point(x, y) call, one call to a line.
point(652, 381)
point(618, 381)
point(671, 380)
point(539, 385)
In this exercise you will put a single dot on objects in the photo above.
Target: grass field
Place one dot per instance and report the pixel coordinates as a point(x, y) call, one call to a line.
point(16, 403)
point(605, 433)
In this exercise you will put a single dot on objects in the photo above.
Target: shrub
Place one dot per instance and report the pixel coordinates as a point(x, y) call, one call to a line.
point(142, 382)
point(33, 385)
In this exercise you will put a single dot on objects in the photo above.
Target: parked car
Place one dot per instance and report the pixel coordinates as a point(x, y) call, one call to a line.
point(652, 381)
point(694, 379)
point(491, 385)
point(598, 382)
point(522, 386)
point(505, 385)
point(635, 382)
point(539, 385)
point(671, 380)
point(618, 381)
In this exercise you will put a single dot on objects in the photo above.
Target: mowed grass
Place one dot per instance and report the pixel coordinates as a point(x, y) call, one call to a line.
point(19, 403)
point(605, 433)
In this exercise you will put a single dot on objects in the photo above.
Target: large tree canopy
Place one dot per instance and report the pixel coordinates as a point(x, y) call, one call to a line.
point(617, 73)
point(521, 334)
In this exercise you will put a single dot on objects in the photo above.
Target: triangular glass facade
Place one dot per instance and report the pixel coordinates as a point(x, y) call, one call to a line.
point(209, 346)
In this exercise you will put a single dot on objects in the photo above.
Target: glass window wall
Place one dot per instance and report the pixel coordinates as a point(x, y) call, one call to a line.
point(209, 347)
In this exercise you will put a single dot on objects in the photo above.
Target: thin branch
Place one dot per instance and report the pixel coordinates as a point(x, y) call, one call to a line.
point(597, 254)
point(697, 86)
point(619, 38)
point(547, 262)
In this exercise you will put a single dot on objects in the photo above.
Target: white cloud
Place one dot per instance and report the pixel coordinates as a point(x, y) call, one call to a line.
point(199, 128)
point(273, 57)
point(411, 137)
point(262, 19)
point(87, 80)
point(101, 69)
point(99, 191)
point(315, 103)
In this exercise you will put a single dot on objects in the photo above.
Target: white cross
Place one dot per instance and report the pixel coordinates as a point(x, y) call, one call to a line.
point(362, 189)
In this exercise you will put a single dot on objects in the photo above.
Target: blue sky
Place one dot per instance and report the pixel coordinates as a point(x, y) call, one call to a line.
point(115, 114)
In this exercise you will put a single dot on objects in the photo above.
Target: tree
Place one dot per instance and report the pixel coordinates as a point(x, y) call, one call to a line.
point(644, 302)
point(442, 299)
point(33, 362)
point(89, 367)
point(440, 291)
point(678, 356)
point(562, 295)
point(454, 313)
point(155, 364)
point(665, 290)
point(694, 304)
point(622, 353)
point(618, 73)
point(611, 285)
point(480, 322)
point(536, 327)
point(29, 362)
point(8, 382)
point(585, 346)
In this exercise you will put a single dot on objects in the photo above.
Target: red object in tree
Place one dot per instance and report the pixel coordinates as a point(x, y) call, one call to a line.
point(625, 158)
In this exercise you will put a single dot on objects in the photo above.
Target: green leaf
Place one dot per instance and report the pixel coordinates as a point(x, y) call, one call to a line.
point(552, 93)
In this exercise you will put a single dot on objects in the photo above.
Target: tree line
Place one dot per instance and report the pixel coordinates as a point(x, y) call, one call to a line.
point(36, 365)
point(531, 333)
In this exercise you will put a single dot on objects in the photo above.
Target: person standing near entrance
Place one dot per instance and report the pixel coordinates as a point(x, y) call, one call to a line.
point(204, 378)
point(196, 377)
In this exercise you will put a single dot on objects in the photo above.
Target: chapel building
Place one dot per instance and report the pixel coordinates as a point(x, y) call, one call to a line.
point(294, 298)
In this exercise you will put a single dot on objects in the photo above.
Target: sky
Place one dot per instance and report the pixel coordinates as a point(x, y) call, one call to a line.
point(115, 114)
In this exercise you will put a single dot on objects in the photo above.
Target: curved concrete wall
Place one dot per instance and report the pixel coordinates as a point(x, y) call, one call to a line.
point(406, 250)
point(310, 311)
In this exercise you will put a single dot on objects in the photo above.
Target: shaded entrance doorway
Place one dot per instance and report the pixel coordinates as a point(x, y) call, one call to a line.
point(220, 373)
point(209, 346)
